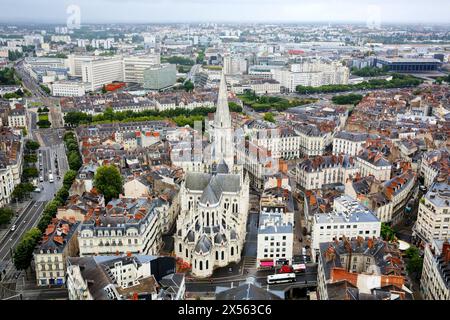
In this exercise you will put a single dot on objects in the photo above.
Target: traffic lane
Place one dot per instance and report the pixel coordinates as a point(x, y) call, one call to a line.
point(18, 220)
point(46, 294)
point(29, 221)
point(210, 285)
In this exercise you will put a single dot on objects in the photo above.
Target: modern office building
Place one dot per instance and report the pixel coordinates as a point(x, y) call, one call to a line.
point(409, 65)
point(134, 67)
point(69, 89)
point(102, 71)
point(160, 76)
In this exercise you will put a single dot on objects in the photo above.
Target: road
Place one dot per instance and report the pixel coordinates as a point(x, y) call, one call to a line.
point(209, 285)
point(27, 219)
point(33, 86)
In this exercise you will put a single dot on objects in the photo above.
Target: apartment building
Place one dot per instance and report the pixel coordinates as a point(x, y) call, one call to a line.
point(318, 171)
point(313, 141)
point(125, 225)
point(435, 163)
point(348, 219)
point(433, 218)
point(17, 117)
point(11, 162)
point(361, 269)
point(58, 243)
point(350, 143)
point(435, 280)
point(373, 163)
point(130, 277)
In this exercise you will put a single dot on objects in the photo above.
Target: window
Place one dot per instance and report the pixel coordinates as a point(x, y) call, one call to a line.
point(284, 237)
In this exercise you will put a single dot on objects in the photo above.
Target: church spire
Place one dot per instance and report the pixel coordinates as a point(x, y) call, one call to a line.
point(222, 118)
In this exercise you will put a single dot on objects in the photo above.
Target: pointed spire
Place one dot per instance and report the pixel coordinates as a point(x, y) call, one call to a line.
point(222, 118)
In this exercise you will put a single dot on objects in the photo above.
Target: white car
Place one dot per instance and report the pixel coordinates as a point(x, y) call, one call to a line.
point(13, 228)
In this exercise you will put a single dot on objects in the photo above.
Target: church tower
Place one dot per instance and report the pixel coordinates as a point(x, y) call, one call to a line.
point(223, 145)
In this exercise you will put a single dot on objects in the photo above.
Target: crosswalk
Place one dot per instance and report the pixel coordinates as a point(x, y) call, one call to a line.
point(249, 262)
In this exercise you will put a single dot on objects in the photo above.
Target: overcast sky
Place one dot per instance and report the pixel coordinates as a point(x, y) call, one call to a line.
point(148, 11)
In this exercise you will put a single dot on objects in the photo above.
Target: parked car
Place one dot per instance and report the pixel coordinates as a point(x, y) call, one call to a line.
point(13, 228)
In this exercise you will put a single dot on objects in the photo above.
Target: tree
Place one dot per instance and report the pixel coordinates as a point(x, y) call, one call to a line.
point(22, 191)
point(23, 253)
point(108, 181)
point(269, 117)
point(5, 215)
point(234, 107)
point(30, 158)
point(74, 160)
point(69, 178)
point(188, 86)
point(347, 99)
point(28, 173)
point(32, 145)
point(387, 233)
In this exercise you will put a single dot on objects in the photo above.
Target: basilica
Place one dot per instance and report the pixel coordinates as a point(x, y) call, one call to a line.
point(211, 227)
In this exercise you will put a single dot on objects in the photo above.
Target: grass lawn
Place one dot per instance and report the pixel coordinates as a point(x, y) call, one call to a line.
point(43, 116)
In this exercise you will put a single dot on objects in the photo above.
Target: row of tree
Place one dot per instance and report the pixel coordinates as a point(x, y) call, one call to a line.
point(267, 103)
point(180, 116)
point(353, 99)
point(369, 71)
point(398, 81)
point(7, 77)
point(23, 253)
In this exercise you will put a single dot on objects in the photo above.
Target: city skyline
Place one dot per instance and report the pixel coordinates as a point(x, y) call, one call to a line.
point(288, 11)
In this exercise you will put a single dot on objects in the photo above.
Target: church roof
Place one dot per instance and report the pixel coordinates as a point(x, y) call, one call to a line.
point(222, 167)
point(222, 118)
point(203, 245)
point(210, 195)
point(220, 238)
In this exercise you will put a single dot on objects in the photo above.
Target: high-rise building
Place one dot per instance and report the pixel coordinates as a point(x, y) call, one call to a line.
point(160, 76)
point(102, 71)
point(134, 67)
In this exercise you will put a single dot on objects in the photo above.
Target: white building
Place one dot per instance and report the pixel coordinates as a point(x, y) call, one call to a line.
point(349, 218)
point(134, 66)
point(314, 173)
point(58, 243)
point(69, 88)
point(75, 64)
point(434, 163)
point(127, 225)
point(314, 73)
point(373, 163)
point(275, 239)
point(17, 118)
point(131, 277)
point(433, 219)
point(102, 71)
point(350, 143)
point(435, 280)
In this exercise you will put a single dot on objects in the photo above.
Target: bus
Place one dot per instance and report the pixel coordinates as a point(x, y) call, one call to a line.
point(50, 178)
point(299, 268)
point(281, 278)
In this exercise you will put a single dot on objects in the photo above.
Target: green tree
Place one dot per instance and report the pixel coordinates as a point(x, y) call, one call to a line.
point(23, 254)
point(31, 172)
point(5, 215)
point(188, 86)
point(22, 191)
point(347, 99)
point(269, 117)
point(234, 107)
point(74, 160)
point(30, 158)
point(32, 145)
point(69, 178)
point(387, 233)
point(108, 181)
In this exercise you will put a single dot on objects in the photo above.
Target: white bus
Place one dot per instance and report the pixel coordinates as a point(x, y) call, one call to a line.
point(299, 268)
point(50, 178)
point(281, 278)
